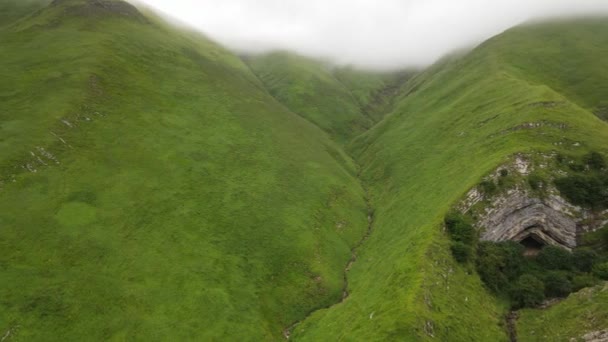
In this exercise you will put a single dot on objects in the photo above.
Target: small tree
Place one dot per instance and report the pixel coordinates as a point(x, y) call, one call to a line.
point(498, 264)
point(528, 291)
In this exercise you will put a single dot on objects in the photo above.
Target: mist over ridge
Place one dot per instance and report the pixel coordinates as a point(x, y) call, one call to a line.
point(372, 34)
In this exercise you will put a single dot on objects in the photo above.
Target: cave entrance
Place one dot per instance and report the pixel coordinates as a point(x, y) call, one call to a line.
point(532, 245)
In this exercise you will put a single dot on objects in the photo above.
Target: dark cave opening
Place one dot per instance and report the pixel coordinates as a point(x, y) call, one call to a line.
point(533, 245)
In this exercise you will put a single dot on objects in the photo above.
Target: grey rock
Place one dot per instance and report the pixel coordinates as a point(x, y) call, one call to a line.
point(517, 216)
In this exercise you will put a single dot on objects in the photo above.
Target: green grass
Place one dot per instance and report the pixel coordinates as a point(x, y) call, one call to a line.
point(571, 70)
point(187, 204)
point(578, 315)
point(156, 187)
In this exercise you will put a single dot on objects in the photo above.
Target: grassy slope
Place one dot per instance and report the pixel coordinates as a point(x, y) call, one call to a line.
point(450, 131)
point(186, 203)
point(311, 89)
point(578, 315)
point(11, 11)
point(572, 70)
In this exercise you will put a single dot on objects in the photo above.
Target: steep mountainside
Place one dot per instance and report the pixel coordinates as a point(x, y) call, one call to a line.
point(152, 189)
point(454, 124)
point(562, 55)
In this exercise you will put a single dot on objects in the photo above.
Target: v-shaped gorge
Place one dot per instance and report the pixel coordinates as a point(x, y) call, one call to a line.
point(155, 186)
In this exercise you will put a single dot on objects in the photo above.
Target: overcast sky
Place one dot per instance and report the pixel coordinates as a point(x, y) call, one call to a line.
point(367, 33)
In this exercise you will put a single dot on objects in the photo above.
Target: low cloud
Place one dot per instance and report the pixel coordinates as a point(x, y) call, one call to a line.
point(367, 33)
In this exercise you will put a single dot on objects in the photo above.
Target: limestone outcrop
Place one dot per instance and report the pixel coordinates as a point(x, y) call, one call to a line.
point(518, 216)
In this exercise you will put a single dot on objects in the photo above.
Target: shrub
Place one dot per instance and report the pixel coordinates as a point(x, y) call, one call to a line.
point(557, 284)
point(453, 218)
point(460, 230)
point(528, 291)
point(504, 172)
point(461, 252)
point(595, 161)
point(601, 270)
point(488, 187)
point(499, 263)
point(588, 190)
point(490, 263)
point(555, 258)
point(584, 258)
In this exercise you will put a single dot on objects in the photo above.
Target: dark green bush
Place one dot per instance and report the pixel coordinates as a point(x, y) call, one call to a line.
point(555, 258)
point(490, 263)
point(557, 284)
point(461, 252)
point(499, 263)
point(584, 258)
point(504, 172)
point(584, 190)
point(528, 291)
point(601, 270)
point(463, 236)
point(460, 229)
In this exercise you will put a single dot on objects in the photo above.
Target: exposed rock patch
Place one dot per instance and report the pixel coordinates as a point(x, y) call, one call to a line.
point(596, 336)
point(534, 217)
point(530, 126)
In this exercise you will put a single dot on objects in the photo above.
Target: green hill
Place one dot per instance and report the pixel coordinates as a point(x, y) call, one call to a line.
point(151, 189)
point(154, 186)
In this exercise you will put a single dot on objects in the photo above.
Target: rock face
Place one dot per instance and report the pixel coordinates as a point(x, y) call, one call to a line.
point(596, 336)
point(518, 217)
